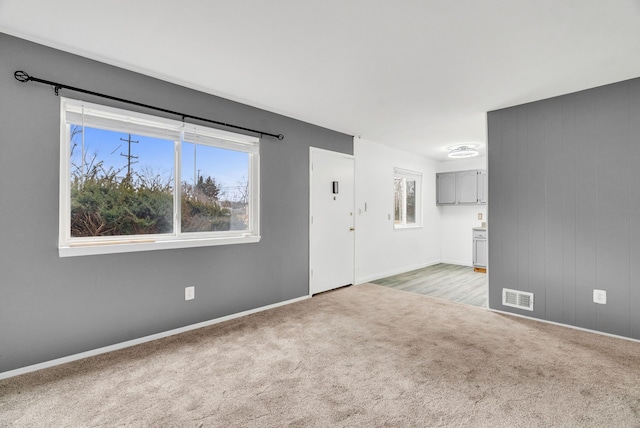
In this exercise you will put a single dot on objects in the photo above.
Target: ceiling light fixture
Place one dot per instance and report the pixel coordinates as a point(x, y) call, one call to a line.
point(458, 152)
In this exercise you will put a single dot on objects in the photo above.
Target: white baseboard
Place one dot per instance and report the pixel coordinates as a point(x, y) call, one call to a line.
point(134, 342)
point(457, 262)
point(396, 271)
point(588, 330)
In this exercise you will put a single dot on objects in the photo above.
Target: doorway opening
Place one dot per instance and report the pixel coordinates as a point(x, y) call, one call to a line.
point(447, 281)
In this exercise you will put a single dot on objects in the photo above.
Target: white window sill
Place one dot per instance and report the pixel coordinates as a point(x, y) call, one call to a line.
point(88, 249)
point(407, 226)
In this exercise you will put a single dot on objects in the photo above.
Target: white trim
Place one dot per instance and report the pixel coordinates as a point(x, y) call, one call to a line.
point(615, 336)
point(406, 173)
point(417, 177)
point(132, 246)
point(457, 263)
point(141, 340)
point(396, 271)
point(330, 152)
point(407, 226)
point(75, 111)
point(318, 150)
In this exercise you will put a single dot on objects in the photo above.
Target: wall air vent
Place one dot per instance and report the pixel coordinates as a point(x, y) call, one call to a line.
point(517, 299)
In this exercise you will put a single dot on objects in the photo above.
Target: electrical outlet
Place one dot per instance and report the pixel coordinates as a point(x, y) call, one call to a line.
point(189, 293)
point(479, 216)
point(600, 297)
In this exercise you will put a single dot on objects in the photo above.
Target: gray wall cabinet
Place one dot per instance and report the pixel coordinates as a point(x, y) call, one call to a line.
point(446, 188)
point(564, 217)
point(461, 187)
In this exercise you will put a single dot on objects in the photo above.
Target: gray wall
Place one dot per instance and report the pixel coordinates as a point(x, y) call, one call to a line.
point(564, 207)
point(52, 307)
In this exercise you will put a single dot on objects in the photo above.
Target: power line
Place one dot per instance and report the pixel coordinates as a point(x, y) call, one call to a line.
point(129, 156)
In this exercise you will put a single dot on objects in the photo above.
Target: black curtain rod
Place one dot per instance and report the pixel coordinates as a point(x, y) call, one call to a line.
point(22, 76)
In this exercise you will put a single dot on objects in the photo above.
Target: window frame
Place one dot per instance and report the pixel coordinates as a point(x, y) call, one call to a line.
point(404, 175)
point(190, 133)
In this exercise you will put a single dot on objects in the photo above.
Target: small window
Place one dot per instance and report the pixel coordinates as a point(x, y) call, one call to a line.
point(407, 187)
point(134, 182)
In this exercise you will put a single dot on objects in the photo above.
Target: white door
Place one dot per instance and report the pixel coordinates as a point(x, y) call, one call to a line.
point(331, 224)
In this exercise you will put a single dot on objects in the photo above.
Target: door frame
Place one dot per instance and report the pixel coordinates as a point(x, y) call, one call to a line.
point(313, 150)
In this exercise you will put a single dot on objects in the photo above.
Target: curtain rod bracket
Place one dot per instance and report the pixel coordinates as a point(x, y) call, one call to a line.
point(23, 76)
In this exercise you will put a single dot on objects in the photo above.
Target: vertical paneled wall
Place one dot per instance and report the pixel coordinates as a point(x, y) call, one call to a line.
point(564, 207)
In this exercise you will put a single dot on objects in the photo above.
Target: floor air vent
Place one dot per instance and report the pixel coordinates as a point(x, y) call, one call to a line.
point(517, 299)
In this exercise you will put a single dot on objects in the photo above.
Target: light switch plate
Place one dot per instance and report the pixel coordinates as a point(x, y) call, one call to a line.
point(189, 293)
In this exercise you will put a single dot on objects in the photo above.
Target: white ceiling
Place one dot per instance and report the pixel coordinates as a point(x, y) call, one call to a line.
point(416, 74)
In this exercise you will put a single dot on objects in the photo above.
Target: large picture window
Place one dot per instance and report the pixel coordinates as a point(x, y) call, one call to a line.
point(407, 186)
point(134, 182)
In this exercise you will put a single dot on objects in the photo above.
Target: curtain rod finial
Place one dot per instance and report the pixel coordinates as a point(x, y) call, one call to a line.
point(280, 137)
point(21, 76)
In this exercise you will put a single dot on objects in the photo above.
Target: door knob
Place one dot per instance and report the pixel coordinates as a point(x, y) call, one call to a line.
point(351, 229)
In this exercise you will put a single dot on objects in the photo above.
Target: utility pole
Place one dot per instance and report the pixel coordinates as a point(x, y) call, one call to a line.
point(128, 155)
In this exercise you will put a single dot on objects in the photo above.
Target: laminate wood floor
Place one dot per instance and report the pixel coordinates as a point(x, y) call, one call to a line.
point(452, 282)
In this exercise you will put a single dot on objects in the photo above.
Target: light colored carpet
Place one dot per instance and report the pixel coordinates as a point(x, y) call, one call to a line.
point(362, 356)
